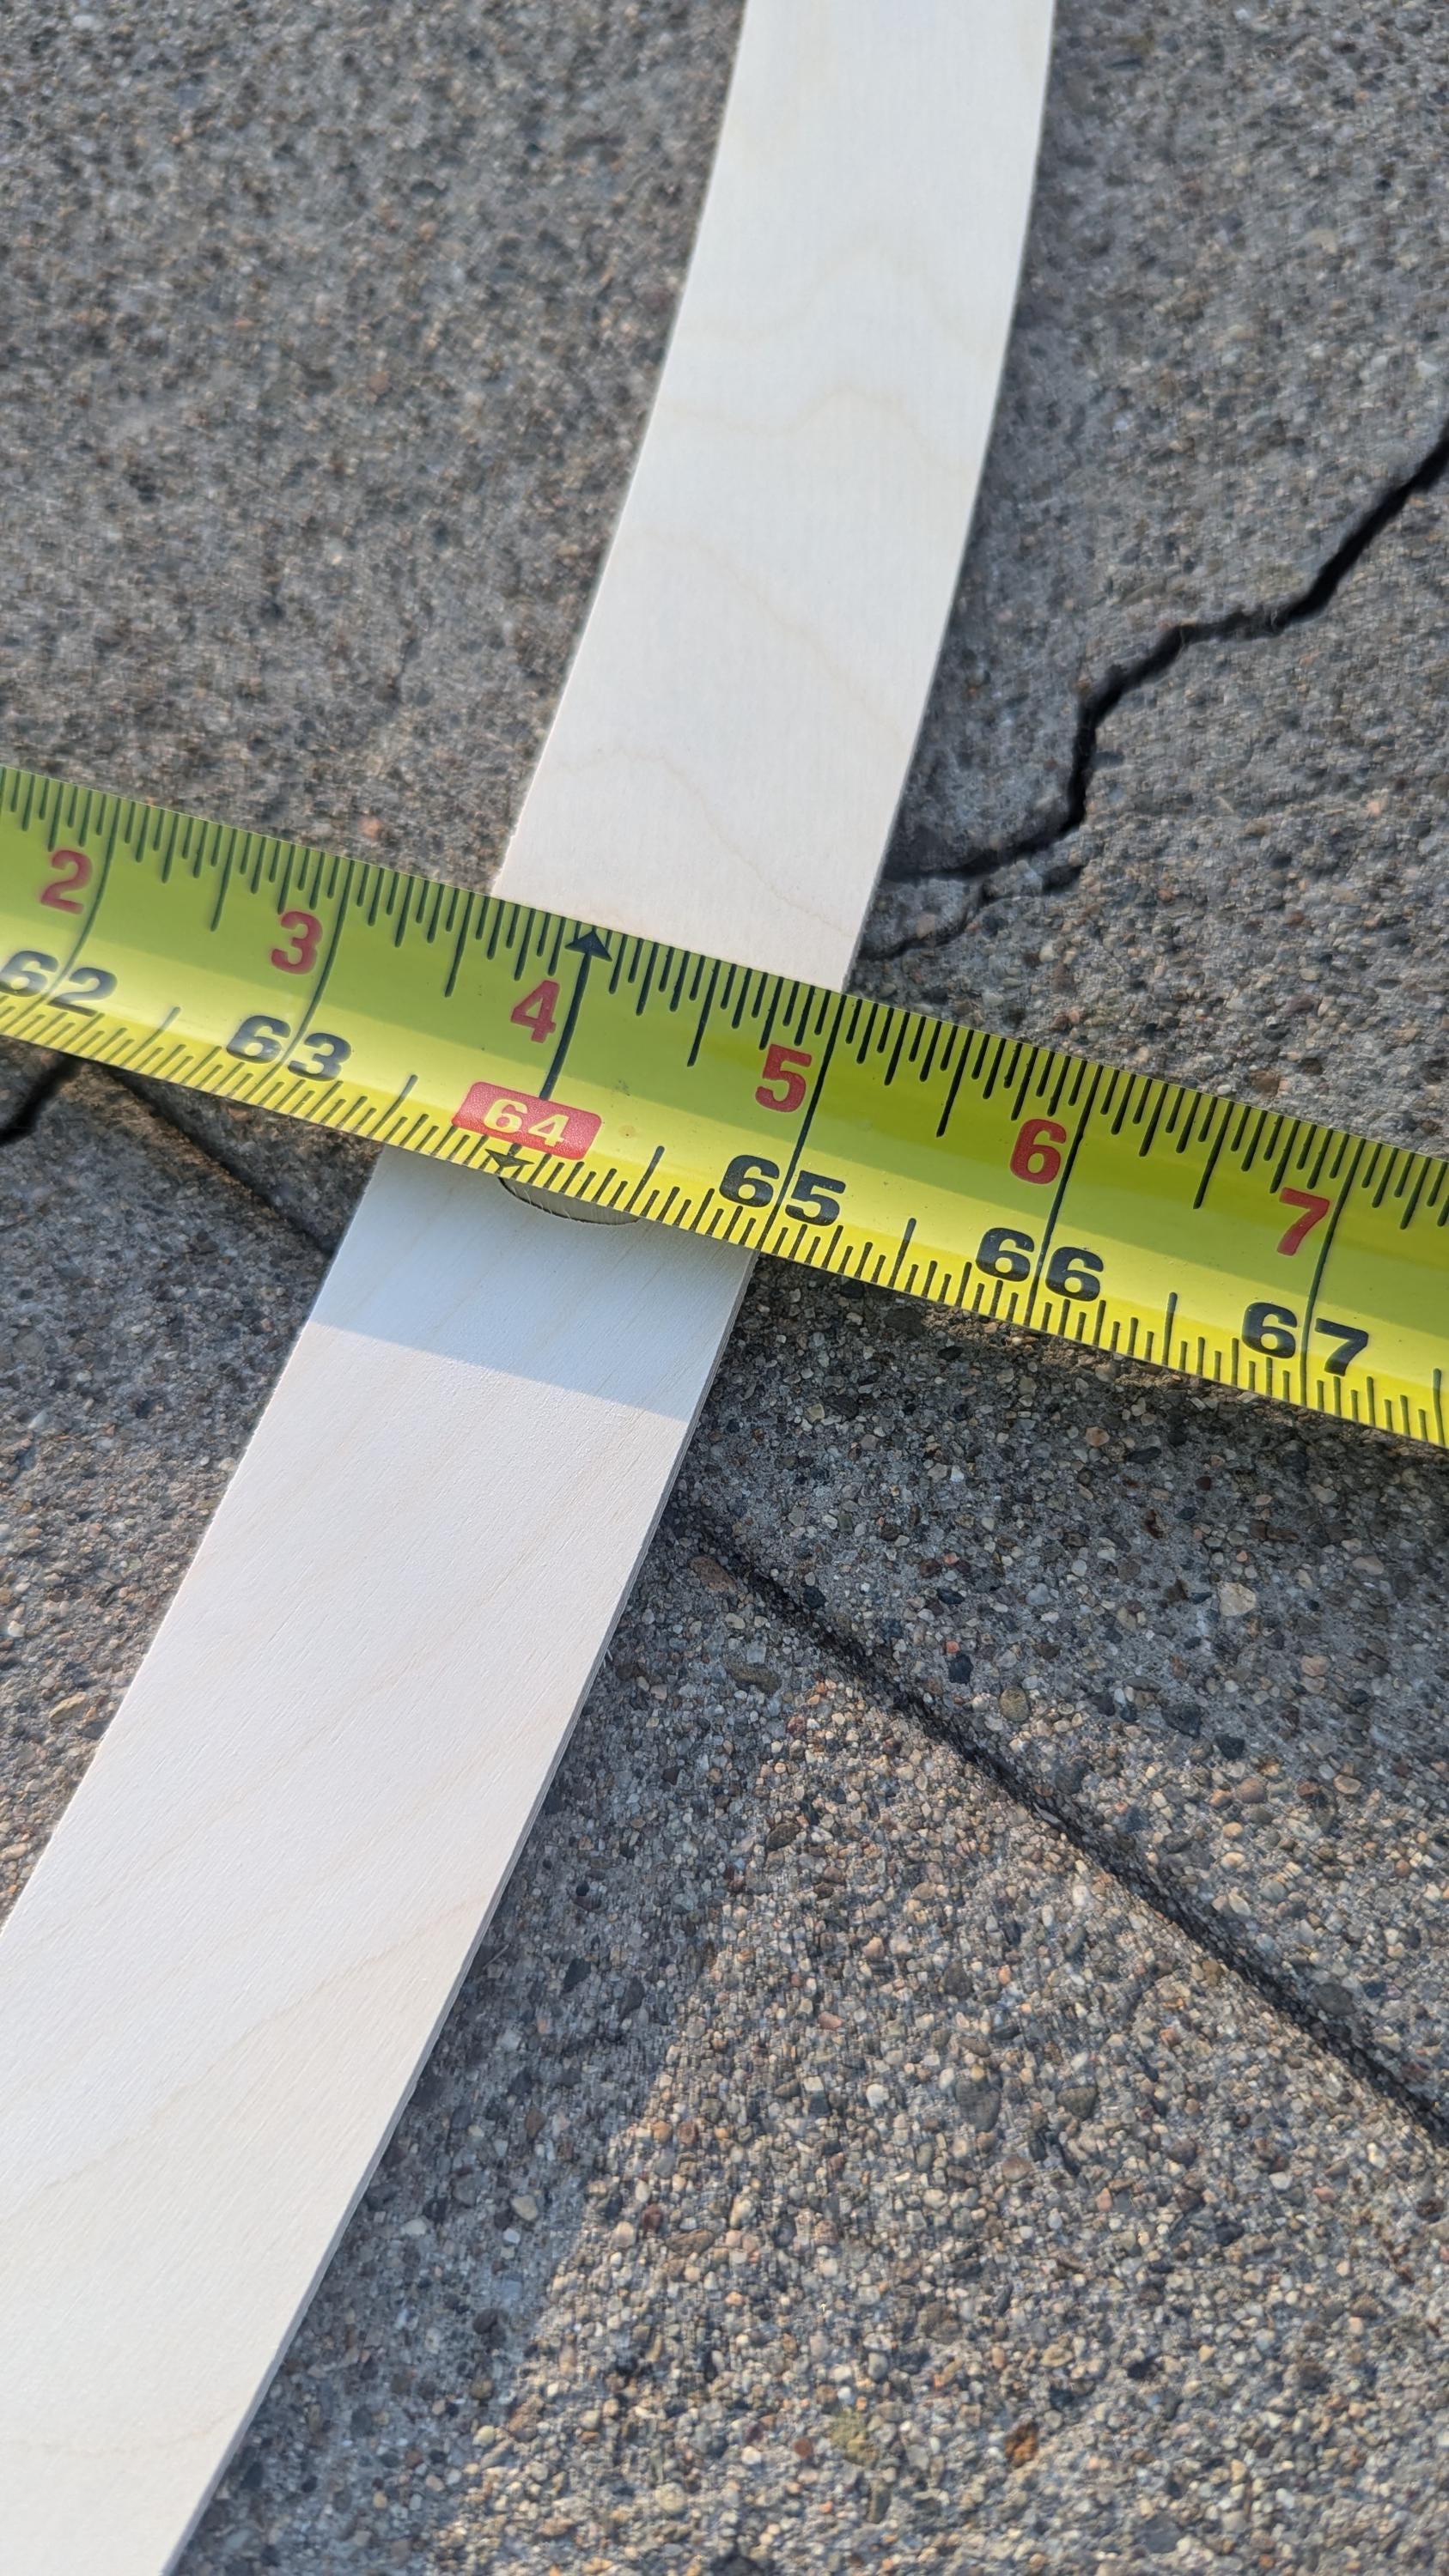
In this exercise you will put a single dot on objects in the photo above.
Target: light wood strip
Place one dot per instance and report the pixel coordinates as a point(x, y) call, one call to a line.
point(731, 745)
point(229, 1965)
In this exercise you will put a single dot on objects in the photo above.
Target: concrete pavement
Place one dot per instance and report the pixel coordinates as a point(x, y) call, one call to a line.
point(960, 2078)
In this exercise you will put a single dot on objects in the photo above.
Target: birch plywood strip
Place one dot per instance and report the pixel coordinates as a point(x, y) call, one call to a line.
point(732, 742)
point(221, 1982)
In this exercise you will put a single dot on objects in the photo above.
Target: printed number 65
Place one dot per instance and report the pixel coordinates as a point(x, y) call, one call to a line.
point(750, 1182)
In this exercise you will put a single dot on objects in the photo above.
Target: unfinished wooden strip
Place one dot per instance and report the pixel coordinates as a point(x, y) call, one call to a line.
point(731, 745)
point(225, 1973)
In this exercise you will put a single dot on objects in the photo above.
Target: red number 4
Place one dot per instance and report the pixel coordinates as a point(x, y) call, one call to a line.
point(1315, 1209)
point(781, 1063)
point(536, 1012)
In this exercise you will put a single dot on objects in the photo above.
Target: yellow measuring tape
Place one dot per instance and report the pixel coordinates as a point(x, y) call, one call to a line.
point(1122, 1211)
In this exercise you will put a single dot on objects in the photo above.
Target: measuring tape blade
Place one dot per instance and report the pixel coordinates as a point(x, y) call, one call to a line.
point(1120, 1211)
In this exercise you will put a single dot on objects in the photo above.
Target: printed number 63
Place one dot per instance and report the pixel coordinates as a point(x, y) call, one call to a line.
point(260, 1040)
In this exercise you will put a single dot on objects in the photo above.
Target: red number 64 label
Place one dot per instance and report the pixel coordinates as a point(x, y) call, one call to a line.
point(549, 1126)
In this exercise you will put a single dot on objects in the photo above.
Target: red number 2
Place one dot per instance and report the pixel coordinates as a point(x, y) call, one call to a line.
point(1035, 1155)
point(536, 1012)
point(1314, 1209)
point(72, 870)
point(781, 1064)
point(306, 931)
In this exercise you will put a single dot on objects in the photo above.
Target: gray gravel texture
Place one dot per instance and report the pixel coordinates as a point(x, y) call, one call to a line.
point(326, 343)
point(21, 1071)
point(1226, 1622)
point(875, 2186)
point(146, 1306)
point(1231, 336)
point(329, 335)
point(1258, 896)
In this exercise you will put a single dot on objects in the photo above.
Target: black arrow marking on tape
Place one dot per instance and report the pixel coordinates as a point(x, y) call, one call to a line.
point(505, 1159)
point(587, 945)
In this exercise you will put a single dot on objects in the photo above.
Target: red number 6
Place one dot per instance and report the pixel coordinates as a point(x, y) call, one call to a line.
point(306, 931)
point(1036, 1155)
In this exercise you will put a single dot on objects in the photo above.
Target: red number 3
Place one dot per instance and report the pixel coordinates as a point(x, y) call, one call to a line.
point(72, 870)
point(306, 931)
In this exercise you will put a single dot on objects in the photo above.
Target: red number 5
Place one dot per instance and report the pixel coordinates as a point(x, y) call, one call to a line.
point(780, 1064)
point(72, 870)
point(1035, 1155)
point(306, 931)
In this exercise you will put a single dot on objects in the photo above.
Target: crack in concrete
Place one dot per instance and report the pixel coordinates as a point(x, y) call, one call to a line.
point(147, 1098)
point(1234, 625)
point(1098, 704)
point(24, 1118)
point(1114, 1854)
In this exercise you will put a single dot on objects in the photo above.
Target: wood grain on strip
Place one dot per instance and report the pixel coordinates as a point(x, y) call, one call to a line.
point(232, 1960)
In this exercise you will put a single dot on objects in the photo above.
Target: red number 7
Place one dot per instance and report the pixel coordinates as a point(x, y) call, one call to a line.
point(780, 1063)
point(1314, 1209)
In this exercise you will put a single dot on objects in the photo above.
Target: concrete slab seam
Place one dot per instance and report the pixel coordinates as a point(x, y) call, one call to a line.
point(1106, 1852)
